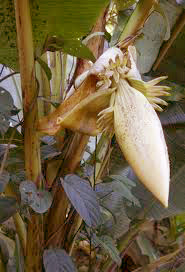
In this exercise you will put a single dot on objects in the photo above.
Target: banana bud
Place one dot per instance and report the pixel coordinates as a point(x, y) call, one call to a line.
point(140, 136)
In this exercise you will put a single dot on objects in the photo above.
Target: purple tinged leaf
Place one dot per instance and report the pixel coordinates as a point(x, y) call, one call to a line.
point(57, 260)
point(181, 2)
point(8, 206)
point(107, 243)
point(83, 198)
point(42, 201)
point(39, 200)
point(28, 192)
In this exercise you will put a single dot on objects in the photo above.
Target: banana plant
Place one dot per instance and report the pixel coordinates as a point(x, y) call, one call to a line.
point(105, 96)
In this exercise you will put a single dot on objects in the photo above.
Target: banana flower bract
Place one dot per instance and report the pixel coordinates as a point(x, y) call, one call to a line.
point(121, 102)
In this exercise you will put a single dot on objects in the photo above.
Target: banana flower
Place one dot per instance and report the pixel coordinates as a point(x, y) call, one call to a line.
point(112, 97)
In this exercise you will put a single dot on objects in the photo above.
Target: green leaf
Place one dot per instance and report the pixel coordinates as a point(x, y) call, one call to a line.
point(8, 47)
point(69, 19)
point(73, 47)
point(57, 260)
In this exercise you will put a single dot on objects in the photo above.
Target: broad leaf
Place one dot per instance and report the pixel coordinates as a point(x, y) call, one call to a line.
point(39, 200)
point(83, 198)
point(57, 260)
point(28, 192)
point(42, 201)
point(120, 188)
point(67, 19)
point(8, 206)
point(108, 245)
point(73, 47)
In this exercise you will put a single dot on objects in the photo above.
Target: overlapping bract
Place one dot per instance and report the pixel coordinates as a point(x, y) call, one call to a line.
point(112, 97)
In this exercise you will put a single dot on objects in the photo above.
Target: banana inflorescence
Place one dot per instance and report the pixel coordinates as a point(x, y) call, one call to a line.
point(113, 97)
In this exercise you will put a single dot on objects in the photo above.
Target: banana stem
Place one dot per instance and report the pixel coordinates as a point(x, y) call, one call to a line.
point(31, 140)
point(138, 18)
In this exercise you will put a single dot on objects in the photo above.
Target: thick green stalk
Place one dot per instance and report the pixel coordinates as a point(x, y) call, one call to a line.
point(138, 18)
point(31, 141)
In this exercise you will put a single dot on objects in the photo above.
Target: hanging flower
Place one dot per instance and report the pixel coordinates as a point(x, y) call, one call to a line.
point(112, 97)
point(136, 125)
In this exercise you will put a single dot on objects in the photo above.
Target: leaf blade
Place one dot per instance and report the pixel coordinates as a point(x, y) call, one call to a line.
point(83, 198)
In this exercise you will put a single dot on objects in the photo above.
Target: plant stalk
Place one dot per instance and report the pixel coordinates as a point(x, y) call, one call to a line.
point(31, 140)
point(138, 18)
